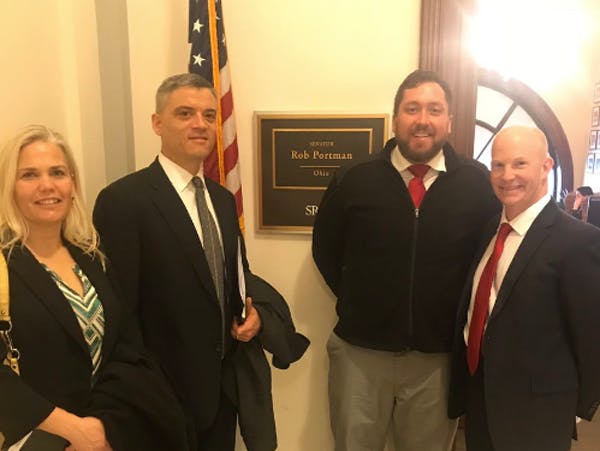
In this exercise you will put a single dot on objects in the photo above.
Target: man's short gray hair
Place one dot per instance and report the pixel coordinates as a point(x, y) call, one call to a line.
point(187, 80)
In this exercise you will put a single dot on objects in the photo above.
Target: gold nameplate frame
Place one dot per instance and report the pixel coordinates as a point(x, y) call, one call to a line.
point(298, 154)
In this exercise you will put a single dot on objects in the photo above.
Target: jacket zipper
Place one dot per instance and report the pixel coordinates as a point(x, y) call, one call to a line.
point(411, 282)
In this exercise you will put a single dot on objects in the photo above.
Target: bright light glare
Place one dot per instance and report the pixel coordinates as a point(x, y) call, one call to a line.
point(535, 41)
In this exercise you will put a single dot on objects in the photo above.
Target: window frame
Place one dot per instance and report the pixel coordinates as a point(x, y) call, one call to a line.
point(542, 115)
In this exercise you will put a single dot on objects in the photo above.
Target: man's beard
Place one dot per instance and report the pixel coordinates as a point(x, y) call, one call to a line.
point(419, 156)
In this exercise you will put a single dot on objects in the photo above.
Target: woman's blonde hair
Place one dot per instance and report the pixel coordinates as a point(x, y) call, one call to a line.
point(77, 227)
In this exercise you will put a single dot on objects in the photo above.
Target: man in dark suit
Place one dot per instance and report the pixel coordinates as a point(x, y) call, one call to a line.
point(527, 344)
point(174, 246)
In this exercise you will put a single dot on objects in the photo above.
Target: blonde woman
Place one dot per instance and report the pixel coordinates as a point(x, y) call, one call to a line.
point(82, 380)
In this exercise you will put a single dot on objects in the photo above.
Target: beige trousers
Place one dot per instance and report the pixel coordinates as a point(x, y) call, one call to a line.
point(373, 393)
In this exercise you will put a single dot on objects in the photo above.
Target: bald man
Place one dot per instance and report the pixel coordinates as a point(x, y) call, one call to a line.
point(526, 355)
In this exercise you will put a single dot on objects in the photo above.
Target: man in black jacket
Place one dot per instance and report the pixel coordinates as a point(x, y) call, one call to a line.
point(172, 236)
point(393, 239)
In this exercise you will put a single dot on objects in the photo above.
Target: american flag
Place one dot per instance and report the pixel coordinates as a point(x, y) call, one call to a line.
point(208, 58)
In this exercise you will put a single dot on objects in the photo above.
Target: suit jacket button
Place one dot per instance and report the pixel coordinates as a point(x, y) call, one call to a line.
point(218, 349)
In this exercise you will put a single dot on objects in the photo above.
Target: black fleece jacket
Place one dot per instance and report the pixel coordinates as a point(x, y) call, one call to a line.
point(398, 272)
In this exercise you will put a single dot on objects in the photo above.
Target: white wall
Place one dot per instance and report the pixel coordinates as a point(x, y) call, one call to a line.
point(32, 71)
point(158, 48)
point(572, 100)
point(48, 54)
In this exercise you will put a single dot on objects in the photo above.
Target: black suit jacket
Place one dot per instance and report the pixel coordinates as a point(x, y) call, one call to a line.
point(129, 395)
point(154, 248)
point(541, 346)
point(249, 381)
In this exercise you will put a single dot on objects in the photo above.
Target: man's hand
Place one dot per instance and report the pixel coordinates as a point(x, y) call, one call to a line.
point(84, 434)
point(248, 329)
point(88, 434)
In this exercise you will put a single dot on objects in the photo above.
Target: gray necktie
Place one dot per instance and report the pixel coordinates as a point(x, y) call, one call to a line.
point(210, 241)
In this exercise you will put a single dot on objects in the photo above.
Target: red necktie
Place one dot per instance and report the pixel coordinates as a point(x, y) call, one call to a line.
point(416, 188)
point(482, 299)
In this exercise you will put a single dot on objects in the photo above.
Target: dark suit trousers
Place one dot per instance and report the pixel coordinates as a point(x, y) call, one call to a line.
point(221, 434)
point(477, 431)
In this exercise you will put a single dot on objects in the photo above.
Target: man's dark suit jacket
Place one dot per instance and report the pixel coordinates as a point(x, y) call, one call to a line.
point(129, 394)
point(541, 346)
point(249, 379)
point(154, 248)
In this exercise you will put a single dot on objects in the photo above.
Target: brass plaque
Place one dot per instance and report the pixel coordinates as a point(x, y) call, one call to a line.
point(298, 154)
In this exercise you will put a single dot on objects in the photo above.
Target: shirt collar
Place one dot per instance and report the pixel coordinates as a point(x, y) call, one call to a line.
point(438, 162)
point(179, 177)
point(522, 222)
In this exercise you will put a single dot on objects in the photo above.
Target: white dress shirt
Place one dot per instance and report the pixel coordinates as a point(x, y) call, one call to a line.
point(182, 182)
point(520, 225)
point(436, 165)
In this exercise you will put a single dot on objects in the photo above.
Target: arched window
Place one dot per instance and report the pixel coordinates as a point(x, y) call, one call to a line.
point(502, 103)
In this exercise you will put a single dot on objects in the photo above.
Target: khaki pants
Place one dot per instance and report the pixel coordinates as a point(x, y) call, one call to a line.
point(371, 392)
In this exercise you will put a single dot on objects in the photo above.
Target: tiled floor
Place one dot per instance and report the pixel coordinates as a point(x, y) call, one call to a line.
point(589, 437)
